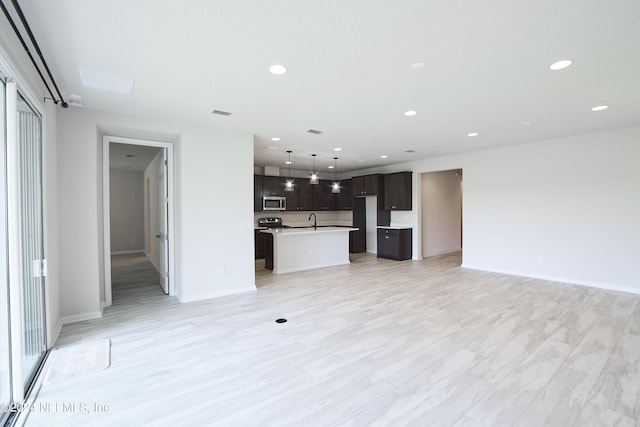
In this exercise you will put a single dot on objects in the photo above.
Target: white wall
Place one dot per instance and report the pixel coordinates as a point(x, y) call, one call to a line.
point(210, 260)
point(565, 209)
point(51, 221)
point(441, 213)
point(152, 173)
point(127, 210)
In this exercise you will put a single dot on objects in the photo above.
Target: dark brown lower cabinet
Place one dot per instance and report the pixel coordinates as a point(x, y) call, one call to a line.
point(394, 243)
point(259, 244)
point(268, 251)
point(358, 239)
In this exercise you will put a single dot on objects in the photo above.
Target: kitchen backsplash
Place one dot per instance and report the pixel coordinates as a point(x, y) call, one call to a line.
point(302, 218)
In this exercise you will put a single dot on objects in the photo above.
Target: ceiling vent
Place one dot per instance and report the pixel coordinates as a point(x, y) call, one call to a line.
point(315, 132)
point(221, 113)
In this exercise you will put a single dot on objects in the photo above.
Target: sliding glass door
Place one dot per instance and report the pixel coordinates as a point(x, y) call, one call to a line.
point(32, 264)
point(22, 265)
point(5, 349)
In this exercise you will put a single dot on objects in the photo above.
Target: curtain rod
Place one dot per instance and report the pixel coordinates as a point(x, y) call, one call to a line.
point(23, 19)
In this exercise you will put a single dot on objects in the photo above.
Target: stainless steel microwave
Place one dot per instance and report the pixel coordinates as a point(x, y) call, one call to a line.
point(274, 203)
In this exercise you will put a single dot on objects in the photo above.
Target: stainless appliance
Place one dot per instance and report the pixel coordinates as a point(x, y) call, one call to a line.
point(274, 203)
point(271, 222)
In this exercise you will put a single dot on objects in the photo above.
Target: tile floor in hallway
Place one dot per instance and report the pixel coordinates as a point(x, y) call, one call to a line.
point(374, 343)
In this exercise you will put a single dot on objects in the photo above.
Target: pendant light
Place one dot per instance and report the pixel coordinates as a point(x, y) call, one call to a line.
point(314, 175)
point(335, 187)
point(288, 184)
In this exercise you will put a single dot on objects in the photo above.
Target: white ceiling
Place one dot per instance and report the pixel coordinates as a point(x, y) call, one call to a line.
point(350, 72)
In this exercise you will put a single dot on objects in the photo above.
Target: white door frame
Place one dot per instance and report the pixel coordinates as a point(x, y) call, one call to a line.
point(106, 140)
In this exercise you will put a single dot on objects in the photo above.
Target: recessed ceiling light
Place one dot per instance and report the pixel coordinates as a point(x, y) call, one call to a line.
point(472, 134)
point(526, 123)
point(559, 65)
point(337, 149)
point(600, 108)
point(275, 138)
point(410, 113)
point(419, 66)
point(384, 156)
point(278, 69)
point(103, 81)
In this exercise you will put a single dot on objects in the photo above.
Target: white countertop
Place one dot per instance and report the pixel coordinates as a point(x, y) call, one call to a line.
point(297, 231)
point(394, 227)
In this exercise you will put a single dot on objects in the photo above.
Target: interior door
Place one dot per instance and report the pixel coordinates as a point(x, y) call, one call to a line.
point(164, 221)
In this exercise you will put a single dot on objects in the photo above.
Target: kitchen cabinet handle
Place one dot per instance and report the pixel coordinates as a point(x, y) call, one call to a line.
point(386, 237)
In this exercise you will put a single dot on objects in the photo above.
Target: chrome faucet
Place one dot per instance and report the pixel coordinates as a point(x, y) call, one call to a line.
point(315, 220)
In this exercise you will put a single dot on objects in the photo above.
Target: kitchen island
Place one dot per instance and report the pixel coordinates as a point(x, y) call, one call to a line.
point(297, 249)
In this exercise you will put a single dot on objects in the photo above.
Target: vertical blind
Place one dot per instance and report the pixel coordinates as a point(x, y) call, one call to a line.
point(30, 205)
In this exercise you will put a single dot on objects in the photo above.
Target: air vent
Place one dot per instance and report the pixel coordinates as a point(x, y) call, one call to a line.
point(409, 151)
point(221, 113)
point(130, 155)
point(315, 132)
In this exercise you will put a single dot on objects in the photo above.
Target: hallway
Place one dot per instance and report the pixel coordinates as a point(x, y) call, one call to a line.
point(134, 278)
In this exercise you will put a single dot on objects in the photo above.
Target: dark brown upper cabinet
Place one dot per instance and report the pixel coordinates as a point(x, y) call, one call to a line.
point(397, 191)
point(257, 193)
point(323, 198)
point(273, 186)
point(344, 199)
point(366, 185)
point(301, 198)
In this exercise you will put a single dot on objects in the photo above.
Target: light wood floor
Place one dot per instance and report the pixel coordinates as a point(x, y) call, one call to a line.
point(378, 342)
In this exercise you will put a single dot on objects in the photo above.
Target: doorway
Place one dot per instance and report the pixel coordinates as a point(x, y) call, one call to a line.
point(441, 207)
point(138, 207)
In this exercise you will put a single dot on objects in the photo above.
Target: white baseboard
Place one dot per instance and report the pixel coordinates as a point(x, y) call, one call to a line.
point(210, 295)
point(606, 286)
point(451, 251)
point(80, 317)
point(133, 251)
point(56, 333)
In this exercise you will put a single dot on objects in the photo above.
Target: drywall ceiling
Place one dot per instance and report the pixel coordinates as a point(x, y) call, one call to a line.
point(350, 70)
